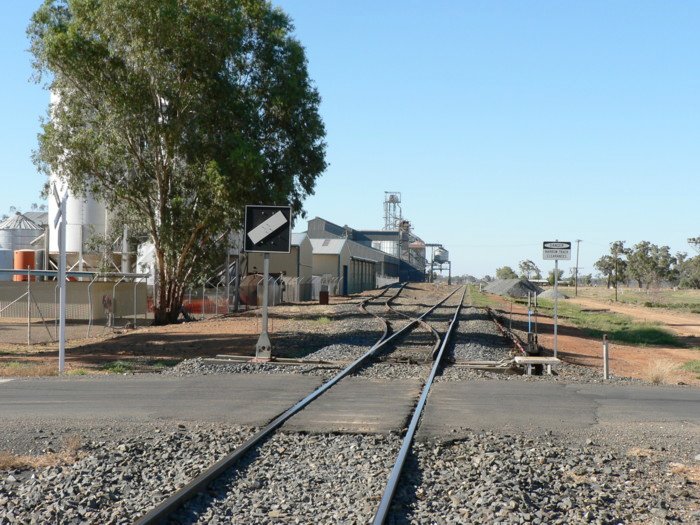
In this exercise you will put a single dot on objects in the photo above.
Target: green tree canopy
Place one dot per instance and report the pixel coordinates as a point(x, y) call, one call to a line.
point(648, 263)
point(529, 269)
point(505, 272)
point(181, 113)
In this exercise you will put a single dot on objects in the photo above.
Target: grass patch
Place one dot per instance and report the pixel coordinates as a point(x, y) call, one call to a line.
point(323, 320)
point(27, 369)
point(692, 366)
point(162, 364)
point(69, 453)
point(619, 328)
point(480, 299)
point(77, 372)
point(118, 367)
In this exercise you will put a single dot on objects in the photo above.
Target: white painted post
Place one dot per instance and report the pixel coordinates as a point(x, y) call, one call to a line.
point(62, 287)
point(606, 369)
point(263, 350)
point(29, 308)
point(556, 301)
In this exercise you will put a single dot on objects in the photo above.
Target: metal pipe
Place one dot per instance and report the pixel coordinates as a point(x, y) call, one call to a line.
point(55, 273)
point(90, 305)
point(29, 309)
point(114, 298)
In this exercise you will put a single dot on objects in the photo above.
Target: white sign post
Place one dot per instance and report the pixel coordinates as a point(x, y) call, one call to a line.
point(267, 230)
point(556, 250)
point(60, 217)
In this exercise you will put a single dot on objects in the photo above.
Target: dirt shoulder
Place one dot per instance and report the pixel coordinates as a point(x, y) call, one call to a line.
point(575, 346)
point(680, 323)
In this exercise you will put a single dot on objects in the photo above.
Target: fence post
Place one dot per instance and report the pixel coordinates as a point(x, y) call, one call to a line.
point(94, 277)
point(29, 308)
point(204, 284)
point(606, 369)
point(135, 283)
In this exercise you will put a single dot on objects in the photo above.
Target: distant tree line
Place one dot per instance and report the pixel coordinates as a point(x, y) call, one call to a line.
point(647, 265)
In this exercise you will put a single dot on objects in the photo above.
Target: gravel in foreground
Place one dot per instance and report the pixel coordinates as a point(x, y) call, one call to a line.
point(114, 482)
point(301, 478)
point(492, 478)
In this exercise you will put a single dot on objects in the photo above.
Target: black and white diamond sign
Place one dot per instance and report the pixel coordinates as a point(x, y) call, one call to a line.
point(268, 229)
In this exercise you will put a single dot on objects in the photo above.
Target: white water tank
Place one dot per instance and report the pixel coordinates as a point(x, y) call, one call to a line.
point(441, 256)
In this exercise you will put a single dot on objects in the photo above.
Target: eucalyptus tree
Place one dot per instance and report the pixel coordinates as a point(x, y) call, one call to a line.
point(529, 268)
point(179, 113)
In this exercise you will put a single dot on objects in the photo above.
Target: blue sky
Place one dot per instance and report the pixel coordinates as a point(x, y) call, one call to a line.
point(503, 124)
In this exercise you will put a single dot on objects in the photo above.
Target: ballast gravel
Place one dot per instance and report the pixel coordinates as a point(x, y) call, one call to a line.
point(114, 482)
point(301, 478)
point(497, 478)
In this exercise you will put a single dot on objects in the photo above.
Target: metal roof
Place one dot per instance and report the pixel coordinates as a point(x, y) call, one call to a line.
point(298, 238)
point(327, 246)
point(19, 222)
point(40, 218)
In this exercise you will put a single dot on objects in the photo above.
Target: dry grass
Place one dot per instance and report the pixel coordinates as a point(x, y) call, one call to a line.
point(636, 452)
point(691, 473)
point(18, 369)
point(662, 371)
point(578, 479)
point(69, 453)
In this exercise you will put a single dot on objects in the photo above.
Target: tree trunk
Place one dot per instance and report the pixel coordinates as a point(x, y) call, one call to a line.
point(169, 305)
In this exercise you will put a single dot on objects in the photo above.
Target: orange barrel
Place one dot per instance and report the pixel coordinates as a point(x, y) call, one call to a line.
point(24, 259)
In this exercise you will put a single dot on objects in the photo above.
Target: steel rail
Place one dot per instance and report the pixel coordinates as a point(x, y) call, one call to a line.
point(392, 484)
point(175, 501)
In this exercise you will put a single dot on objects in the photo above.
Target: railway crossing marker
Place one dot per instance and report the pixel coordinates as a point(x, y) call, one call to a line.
point(556, 250)
point(59, 221)
point(268, 229)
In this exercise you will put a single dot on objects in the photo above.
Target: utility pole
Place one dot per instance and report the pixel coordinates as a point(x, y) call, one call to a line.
point(616, 273)
point(578, 241)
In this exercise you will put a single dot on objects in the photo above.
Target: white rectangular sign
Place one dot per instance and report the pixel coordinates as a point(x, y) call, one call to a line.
point(261, 231)
point(556, 250)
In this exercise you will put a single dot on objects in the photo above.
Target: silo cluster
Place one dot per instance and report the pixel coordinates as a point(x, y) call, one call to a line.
point(17, 251)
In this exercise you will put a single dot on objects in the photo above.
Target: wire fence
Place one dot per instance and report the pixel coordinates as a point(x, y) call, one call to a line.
point(29, 309)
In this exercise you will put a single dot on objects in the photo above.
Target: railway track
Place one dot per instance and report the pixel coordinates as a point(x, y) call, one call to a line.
point(398, 327)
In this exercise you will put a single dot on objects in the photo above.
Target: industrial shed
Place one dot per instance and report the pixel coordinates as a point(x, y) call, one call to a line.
point(297, 263)
point(357, 265)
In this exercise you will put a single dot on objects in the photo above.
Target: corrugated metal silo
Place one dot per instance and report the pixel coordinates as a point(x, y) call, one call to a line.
point(18, 232)
point(6, 263)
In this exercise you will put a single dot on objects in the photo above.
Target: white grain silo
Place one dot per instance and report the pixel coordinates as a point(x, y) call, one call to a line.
point(85, 216)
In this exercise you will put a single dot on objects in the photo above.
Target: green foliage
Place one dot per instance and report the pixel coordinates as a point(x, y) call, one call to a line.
point(323, 320)
point(529, 269)
point(118, 367)
point(648, 263)
point(619, 328)
point(550, 276)
point(177, 114)
point(692, 366)
point(689, 272)
point(505, 272)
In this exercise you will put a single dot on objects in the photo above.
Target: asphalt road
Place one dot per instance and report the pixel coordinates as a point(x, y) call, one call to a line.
point(252, 400)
